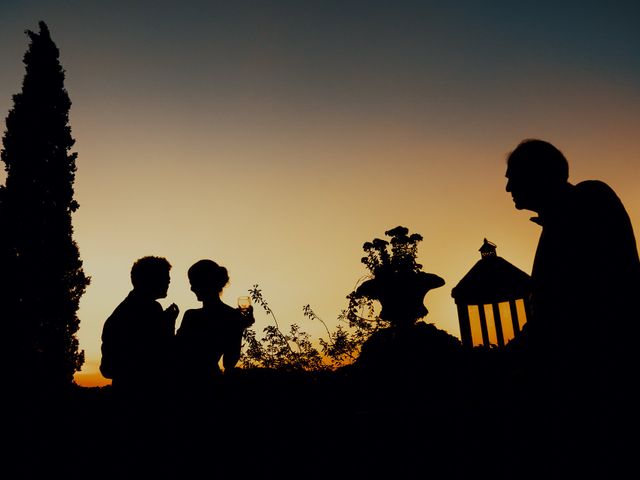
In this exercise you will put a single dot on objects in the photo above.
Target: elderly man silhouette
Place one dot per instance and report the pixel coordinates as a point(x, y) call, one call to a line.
point(580, 340)
point(586, 270)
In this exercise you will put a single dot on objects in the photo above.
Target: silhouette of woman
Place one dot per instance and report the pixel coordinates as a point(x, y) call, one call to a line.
point(211, 335)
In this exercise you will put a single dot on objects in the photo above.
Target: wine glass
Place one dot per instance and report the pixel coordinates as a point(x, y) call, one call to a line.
point(244, 303)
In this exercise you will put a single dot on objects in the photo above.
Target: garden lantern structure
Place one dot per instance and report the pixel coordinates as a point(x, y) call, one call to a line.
point(492, 300)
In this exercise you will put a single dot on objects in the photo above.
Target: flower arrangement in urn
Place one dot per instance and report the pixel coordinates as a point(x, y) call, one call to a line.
point(397, 280)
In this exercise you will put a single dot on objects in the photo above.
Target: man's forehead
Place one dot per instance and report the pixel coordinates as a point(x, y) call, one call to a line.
point(515, 169)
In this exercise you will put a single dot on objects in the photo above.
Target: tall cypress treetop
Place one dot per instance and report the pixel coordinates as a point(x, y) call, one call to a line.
point(38, 137)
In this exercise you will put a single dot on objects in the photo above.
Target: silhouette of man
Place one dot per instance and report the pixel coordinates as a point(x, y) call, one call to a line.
point(137, 354)
point(581, 336)
point(137, 338)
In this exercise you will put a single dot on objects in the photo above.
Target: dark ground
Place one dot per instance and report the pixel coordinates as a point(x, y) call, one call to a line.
point(456, 420)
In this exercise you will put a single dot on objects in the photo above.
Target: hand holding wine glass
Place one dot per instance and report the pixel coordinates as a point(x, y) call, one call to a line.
point(244, 304)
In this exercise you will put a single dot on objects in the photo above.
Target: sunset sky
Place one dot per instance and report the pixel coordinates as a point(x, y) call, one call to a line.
point(276, 137)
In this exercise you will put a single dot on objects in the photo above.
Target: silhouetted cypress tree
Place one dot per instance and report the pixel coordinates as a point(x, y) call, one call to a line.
point(41, 272)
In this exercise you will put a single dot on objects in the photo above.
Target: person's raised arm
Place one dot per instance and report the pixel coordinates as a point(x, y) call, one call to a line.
point(171, 315)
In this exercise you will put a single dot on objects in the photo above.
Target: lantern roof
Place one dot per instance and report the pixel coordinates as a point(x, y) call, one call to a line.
point(491, 280)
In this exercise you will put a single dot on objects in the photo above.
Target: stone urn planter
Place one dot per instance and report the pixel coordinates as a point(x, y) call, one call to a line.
point(401, 295)
point(397, 281)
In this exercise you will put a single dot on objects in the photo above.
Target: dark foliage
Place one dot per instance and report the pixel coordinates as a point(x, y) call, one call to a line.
point(42, 279)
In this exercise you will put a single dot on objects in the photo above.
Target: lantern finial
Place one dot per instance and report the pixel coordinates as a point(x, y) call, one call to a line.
point(487, 249)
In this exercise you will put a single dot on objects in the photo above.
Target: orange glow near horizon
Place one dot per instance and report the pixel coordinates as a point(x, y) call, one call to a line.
point(91, 379)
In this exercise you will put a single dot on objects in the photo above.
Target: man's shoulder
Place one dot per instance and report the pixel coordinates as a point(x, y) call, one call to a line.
point(134, 305)
point(595, 189)
point(599, 196)
point(121, 308)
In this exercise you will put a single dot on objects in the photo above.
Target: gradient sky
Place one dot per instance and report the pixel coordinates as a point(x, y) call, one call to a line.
point(276, 137)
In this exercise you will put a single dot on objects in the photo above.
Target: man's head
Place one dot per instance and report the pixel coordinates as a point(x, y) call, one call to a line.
point(150, 276)
point(536, 171)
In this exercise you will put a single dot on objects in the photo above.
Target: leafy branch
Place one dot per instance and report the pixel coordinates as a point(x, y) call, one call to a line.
point(341, 347)
point(274, 349)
